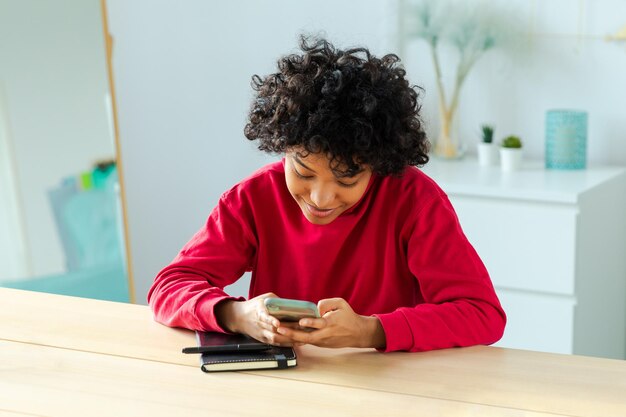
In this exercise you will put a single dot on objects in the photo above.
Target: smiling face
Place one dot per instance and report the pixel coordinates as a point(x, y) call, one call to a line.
point(322, 194)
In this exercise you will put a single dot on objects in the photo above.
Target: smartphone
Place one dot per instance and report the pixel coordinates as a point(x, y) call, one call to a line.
point(225, 343)
point(286, 310)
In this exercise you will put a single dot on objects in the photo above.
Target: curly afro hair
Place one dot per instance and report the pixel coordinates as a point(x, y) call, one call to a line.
point(355, 108)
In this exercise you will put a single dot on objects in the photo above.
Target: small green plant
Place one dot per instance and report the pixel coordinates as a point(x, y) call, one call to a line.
point(487, 133)
point(512, 142)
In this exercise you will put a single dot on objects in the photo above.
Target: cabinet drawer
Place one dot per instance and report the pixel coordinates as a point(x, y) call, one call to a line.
point(538, 322)
point(530, 246)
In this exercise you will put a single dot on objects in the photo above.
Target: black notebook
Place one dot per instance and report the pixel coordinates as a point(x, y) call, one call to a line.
point(225, 342)
point(239, 352)
point(274, 358)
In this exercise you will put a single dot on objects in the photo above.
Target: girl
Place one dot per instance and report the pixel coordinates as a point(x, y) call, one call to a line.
point(345, 219)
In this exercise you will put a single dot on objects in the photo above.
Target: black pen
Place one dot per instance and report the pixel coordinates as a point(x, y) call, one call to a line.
point(236, 347)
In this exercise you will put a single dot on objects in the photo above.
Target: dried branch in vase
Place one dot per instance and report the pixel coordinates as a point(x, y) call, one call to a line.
point(472, 32)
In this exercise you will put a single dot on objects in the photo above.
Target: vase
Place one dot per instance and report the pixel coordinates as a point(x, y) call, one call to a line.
point(447, 144)
point(510, 159)
point(487, 154)
point(566, 139)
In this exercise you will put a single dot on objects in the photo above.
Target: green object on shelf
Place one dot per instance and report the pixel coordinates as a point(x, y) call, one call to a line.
point(86, 180)
point(512, 142)
point(101, 174)
point(487, 133)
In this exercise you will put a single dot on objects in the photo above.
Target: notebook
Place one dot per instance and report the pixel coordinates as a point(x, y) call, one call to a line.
point(227, 352)
point(225, 342)
point(273, 358)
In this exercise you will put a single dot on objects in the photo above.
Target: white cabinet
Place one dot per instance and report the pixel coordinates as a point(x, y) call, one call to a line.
point(554, 243)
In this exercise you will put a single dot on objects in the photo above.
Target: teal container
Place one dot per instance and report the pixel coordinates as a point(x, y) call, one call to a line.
point(566, 139)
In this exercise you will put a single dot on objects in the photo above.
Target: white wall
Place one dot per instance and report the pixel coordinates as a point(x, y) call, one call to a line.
point(183, 69)
point(182, 73)
point(52, 65)
point(563, 62)
point(13, 257)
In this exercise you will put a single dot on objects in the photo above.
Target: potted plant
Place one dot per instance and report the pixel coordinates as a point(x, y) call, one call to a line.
point(487, 150)
point(511, 153)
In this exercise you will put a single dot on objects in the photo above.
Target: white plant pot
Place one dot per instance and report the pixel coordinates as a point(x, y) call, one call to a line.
point(487, 154)
point(510, 159)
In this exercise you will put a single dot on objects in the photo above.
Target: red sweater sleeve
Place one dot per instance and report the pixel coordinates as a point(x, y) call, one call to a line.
point(460, 305)
point(185, 293)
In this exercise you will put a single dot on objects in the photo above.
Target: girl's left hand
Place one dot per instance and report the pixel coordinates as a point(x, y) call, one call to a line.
point(338, 327)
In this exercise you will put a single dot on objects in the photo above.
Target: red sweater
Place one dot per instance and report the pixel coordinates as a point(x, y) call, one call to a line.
point(398, 254)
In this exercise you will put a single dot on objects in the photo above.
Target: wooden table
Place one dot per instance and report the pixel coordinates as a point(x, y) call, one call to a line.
point(64, 356)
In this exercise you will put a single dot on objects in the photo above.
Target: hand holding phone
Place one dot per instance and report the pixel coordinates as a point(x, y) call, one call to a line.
point(288, 310)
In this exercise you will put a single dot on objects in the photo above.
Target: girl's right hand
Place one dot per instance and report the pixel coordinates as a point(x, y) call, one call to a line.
point(251, 318)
